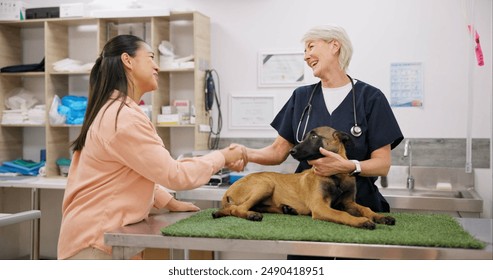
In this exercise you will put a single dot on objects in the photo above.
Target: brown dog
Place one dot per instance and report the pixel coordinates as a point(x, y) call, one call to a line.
point(324, 198)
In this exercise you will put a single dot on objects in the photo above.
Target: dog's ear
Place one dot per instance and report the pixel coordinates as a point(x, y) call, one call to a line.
point(343, 137)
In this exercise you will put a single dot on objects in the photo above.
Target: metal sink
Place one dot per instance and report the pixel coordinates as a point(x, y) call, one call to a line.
point(429, 177)
point(461, 198)
point(424, 193)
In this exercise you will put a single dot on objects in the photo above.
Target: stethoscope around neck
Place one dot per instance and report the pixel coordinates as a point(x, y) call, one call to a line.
point(355, 130)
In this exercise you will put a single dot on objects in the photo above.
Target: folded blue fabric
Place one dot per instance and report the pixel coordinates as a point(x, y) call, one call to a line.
point(73, 108)
point(24, 167)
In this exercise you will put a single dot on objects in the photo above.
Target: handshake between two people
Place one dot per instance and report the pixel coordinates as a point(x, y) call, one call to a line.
point(236, 157)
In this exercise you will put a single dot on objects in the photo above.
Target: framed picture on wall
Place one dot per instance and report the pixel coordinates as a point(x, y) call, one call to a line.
point(281, 68)
point(250, 111)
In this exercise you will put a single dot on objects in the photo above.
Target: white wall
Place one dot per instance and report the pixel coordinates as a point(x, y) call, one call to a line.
point(433, 32)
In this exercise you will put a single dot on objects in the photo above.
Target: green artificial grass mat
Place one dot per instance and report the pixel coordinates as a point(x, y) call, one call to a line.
point(412, 229)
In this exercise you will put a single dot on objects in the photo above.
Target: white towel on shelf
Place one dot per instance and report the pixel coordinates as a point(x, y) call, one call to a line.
point(72, 65)
point(16, 116)
point(36, 115)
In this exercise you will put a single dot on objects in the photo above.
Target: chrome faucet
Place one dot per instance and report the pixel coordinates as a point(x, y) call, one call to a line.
point(408, 152)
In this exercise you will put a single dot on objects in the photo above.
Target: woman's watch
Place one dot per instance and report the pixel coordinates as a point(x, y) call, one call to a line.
point(356, 171)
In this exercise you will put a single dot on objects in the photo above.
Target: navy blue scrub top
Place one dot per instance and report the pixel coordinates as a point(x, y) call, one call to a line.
point(374, 116)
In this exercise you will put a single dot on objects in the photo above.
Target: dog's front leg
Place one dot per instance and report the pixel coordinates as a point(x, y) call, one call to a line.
point(354, 207)
point(239, 211)
point(325, 213)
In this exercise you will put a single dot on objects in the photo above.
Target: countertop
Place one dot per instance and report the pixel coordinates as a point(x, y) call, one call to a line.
point(33, 182)
point(463, 206)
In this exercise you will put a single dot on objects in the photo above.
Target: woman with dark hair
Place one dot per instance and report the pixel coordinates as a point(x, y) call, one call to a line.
point(119, 162)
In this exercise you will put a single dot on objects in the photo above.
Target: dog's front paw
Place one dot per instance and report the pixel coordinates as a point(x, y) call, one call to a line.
point(255, 216)
point(387, 220)
point(368, 225)
point(216, 215)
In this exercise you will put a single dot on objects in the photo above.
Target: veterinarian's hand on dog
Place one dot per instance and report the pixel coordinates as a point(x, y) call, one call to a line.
point(236, 157)
point(181, 206)
point(331, 164)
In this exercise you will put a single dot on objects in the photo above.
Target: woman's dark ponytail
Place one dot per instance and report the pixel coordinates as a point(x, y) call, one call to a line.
point(107, 75)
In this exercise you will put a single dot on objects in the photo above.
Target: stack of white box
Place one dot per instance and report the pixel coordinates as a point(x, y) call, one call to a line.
point(177, 114)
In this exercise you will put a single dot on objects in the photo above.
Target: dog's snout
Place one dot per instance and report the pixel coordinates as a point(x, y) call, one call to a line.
point(293, 151)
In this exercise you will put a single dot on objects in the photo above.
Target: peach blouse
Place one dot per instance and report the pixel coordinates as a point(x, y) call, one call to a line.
point(116, 179)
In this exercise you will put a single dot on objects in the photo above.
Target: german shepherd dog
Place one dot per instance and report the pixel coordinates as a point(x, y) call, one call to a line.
point(329, 199)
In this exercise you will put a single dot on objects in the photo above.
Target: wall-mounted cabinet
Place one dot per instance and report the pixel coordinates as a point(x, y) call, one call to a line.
point(65, 38)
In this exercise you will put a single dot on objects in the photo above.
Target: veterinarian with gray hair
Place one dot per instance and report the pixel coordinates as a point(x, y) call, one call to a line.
point(345, 104)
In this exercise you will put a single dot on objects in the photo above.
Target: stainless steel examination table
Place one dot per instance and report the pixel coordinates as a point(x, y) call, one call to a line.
point(130, 240)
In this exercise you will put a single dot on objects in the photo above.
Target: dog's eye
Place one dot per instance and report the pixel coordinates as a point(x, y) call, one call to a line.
point(314, 136)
